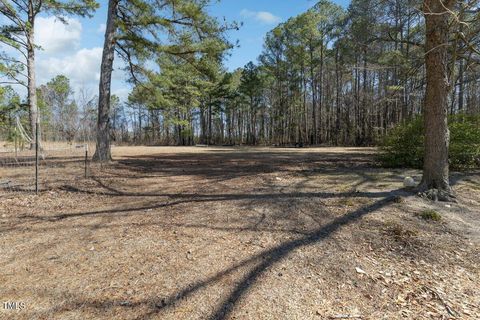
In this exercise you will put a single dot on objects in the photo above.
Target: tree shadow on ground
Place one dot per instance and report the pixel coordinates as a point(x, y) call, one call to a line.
point(256, 266)
point(172, 200)
point(273, 256)
point(236, 164)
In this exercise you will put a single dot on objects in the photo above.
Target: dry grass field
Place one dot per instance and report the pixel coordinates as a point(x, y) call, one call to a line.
point(239, 233)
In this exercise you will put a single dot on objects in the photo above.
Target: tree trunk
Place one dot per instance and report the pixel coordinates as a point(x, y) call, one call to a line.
point(337, 96)
point(461, 85)
point(314, 139)
point(435, 169)
point(209, 115)
point(364, 112)
point(319, 134)
point(203, 125)
point(32, 88)
point(102, 152)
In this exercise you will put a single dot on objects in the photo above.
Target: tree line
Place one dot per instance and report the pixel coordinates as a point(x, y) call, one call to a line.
point(330, 76)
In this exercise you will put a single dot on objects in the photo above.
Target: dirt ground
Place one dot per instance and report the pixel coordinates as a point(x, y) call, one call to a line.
point(239, 233)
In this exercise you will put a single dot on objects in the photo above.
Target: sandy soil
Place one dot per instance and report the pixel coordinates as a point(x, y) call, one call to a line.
point(238, 233)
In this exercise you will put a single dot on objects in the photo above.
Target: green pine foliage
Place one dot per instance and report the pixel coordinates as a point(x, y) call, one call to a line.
point(10, 108)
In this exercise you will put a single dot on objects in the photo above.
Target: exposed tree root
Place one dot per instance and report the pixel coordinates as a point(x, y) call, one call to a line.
point(437, 195)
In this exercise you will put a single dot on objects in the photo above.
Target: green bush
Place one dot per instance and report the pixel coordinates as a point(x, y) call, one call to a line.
point(464, 141)
point(404, 145)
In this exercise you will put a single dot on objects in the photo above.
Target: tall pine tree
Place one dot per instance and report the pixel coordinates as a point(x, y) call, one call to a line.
point(19, 34)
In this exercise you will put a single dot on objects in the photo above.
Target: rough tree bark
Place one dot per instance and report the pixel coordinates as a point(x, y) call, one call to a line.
point(31, 83)
point(102, 152)
point(435, 182)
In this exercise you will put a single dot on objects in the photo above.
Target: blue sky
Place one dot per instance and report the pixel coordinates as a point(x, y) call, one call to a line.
point(75, 49)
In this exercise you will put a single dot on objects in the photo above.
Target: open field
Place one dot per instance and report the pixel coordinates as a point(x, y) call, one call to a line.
point(239, 233)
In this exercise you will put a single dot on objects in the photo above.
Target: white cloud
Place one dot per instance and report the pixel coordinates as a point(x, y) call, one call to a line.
point(261, 16)
point(62, 54)
point(55, 36)
point(83, 67)
point(102, 28)
point(83, 70)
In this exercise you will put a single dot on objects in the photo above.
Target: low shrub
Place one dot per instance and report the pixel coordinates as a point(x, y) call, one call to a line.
point(404, 145)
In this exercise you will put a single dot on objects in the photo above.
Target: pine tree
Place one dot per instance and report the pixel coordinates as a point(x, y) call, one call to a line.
point(437, 136)
point(138, 30)
point(19, 34)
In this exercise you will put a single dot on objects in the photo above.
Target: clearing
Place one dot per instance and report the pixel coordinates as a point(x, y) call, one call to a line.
point(240, 233)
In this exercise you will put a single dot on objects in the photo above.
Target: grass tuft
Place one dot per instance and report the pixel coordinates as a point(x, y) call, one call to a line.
point(430, 215)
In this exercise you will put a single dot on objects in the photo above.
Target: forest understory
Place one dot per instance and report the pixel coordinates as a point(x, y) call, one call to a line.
point(241, 233)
